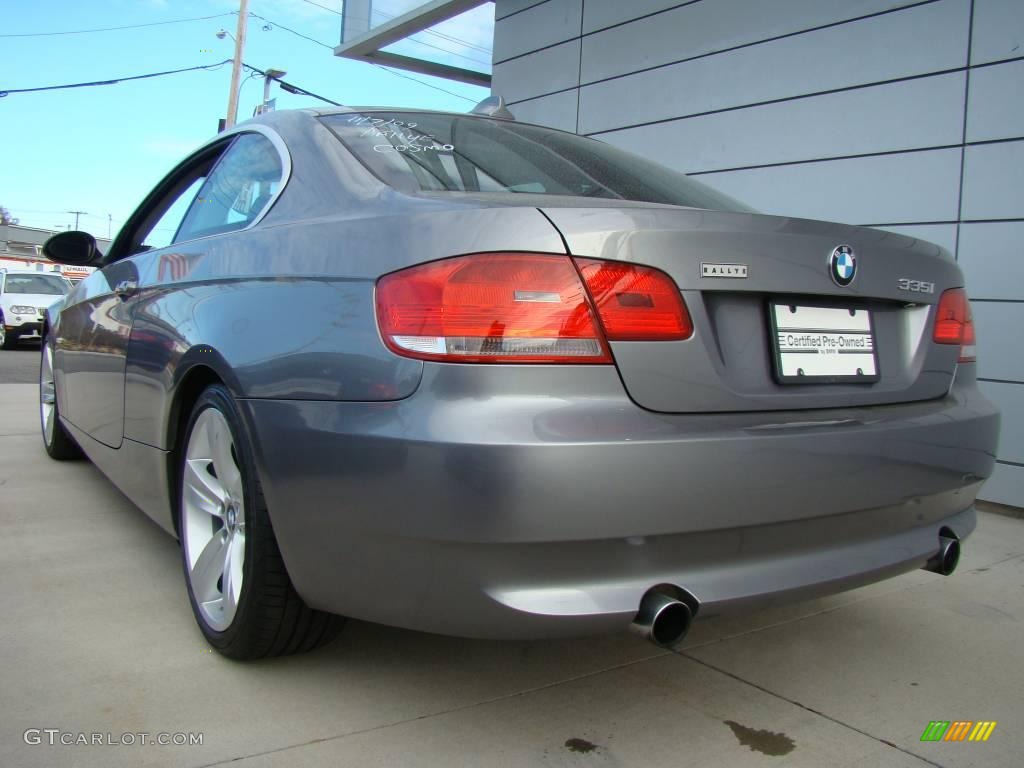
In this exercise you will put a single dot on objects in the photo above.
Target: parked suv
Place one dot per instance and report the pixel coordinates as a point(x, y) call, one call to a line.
point(24, 297)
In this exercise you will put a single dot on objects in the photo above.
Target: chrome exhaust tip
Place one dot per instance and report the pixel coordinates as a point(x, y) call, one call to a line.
point(662, 619)
point(946, 559)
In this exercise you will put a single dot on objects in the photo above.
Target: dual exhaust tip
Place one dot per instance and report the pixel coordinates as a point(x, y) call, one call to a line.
point(665, 616)
point(666, 611)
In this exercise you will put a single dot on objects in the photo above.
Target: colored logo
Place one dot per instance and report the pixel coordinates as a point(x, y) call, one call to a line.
point(958, 730)
point(842, 265)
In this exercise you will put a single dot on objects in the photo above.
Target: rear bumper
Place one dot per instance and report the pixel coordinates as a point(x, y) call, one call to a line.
point(505, 503)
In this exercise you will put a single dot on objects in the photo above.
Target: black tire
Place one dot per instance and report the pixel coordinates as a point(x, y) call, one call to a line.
point(57, 442)
point(7, 340)
point(270, 618)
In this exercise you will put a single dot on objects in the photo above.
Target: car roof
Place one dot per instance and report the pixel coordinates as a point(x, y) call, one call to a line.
point(281, 120)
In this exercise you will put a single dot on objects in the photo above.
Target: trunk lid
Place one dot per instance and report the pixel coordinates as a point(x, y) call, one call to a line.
point(731, 362)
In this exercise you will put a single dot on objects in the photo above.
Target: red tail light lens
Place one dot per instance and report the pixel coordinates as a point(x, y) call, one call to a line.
point(954, 323)
point(526, 308)
point(636, 303)
point(498, 307)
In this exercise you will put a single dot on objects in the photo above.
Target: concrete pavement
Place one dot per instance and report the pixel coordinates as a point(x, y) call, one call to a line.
point(20, 365)
point(97, 637)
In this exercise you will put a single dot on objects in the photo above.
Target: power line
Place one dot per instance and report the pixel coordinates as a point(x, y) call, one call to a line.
point(412, 39)
point(112, 29)
point(28, 210)
point(424, 82)
point(113, 80)
point(47, 212)
point(294, 88)
point(291, 87)
point(255, 70)
point(450, 38)
point(288, 29)
point(24, 213)
point(378, 66)
point(322, 6)
point(459, 41)
point(433, 32)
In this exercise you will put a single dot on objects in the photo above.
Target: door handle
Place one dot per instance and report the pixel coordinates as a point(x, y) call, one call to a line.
point(126, 288)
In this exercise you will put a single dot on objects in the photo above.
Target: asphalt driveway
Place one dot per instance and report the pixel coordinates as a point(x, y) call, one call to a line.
point(97, 638)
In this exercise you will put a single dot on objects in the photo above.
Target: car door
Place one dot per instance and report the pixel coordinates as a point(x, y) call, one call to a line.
point(95, 325)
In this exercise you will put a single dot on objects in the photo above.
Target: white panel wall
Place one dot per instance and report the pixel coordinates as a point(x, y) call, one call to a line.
point(695, 29)
point(835, 57)
point(992, 258)
point(909, 115)
point(917, 107)
point(900, 188)
point(547, 24)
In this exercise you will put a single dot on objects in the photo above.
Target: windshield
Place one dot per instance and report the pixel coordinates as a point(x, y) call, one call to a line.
point(454, 153)
point(49, 285)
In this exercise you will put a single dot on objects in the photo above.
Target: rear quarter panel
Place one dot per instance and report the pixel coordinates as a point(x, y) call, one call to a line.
point(287, 312)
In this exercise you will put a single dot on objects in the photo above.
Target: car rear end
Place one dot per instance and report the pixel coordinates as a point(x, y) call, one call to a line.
point(715, 408)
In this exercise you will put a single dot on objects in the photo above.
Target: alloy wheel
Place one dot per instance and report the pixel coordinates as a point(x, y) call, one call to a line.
point(213, 518)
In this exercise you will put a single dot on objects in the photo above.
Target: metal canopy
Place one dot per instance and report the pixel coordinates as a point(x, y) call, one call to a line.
point(361, 40)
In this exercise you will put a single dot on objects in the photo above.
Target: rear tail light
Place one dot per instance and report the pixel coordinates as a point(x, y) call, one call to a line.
point(525, 308)
point(636, 303)
point(501, 307)
point(954, 323)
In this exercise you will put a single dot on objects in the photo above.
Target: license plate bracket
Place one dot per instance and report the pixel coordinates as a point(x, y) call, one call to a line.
point(822, 344)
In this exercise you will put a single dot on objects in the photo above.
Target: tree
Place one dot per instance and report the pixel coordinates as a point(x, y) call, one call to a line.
point(5, 216)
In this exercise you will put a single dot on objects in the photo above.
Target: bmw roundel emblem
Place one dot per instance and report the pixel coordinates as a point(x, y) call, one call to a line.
point(842, 265)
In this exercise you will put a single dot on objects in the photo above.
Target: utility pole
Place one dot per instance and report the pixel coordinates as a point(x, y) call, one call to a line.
point(236, 66)
point(77, 214)
point(110, 220)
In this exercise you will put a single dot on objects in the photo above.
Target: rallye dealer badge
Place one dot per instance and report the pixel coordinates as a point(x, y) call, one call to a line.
point(723, 270)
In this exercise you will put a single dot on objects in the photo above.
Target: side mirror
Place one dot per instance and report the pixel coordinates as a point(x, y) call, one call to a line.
point(78, 248)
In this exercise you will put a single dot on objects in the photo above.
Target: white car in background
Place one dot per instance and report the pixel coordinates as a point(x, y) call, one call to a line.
point(24, 296)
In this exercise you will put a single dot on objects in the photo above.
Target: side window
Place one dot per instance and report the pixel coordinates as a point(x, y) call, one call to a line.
point(236, 191)
point(162, 232)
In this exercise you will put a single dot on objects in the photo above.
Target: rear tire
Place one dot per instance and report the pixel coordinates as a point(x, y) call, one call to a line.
point(58, 443)
point(240, 592)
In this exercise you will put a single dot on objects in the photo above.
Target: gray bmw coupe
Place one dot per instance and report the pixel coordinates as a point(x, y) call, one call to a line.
point(470, 376)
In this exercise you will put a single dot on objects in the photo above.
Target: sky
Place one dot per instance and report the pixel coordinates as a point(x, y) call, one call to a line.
point(102, 149)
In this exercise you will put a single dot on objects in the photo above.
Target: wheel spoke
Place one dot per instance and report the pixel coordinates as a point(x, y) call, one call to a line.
point(232, 584)
point(227, 470)
point(203, 491)
point(209, 568)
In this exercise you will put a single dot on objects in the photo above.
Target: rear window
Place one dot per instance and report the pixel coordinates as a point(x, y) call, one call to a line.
point(455, 153)
point(37, 284)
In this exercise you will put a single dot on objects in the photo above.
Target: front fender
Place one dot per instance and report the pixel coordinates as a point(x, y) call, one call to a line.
point(51, 317)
